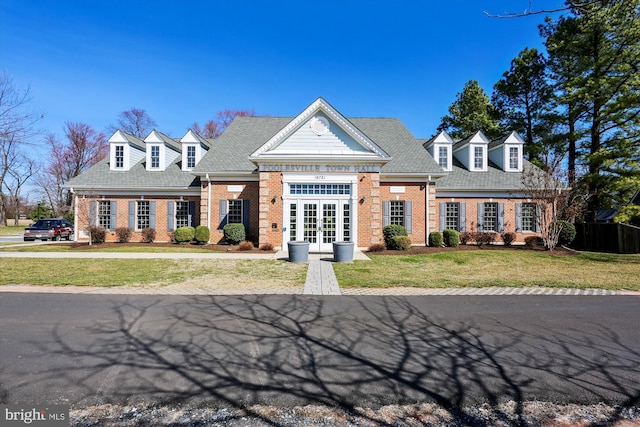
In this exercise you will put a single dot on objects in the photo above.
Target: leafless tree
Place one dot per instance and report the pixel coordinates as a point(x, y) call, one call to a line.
point(17, 127)
point(553, 199)
point(135, 121)
point(564, 6)
point(83, 148)
point(24, 169)
point(214, 127)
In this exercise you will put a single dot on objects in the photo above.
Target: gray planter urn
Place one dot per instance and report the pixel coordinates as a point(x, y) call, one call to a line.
point(343, 251)
point(298, 251)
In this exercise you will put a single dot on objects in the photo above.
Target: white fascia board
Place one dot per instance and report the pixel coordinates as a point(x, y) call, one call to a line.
point(136, 193)
point(471, 194)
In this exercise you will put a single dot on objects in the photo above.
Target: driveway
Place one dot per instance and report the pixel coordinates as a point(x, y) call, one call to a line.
point(337, 351)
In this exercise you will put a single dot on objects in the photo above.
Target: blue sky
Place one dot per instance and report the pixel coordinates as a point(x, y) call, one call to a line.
point(182, 61)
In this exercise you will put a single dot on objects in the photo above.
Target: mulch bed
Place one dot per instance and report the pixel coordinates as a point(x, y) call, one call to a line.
point(414, 249)
point(433, 250)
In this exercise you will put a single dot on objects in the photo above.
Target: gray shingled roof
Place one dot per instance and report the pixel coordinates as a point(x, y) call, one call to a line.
point(493, 179)
point(230, 152)
point(100, 177)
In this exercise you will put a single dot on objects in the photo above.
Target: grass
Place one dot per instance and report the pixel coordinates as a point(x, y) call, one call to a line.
point(140, 272)
point(61, 247)
point(493, 268)
point(11, 230)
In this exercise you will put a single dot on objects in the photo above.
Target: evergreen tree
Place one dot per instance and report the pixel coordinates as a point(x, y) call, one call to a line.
point(523, 98)
point(471, 112)
point(605, 89)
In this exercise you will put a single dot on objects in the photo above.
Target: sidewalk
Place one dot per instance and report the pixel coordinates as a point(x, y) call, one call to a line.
point(321, 279)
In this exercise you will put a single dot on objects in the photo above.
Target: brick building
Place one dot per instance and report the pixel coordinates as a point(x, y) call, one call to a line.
point(319, 177)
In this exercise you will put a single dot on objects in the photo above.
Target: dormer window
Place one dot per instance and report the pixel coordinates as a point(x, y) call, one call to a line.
point(155, 157)
point(514, 158)
point(443, 157)
point(478, 157)
point(119, 156)
point(191, 156)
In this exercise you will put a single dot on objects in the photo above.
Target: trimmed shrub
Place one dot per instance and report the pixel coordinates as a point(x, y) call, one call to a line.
point(245, 246)
point(466, 237)
point(435, 239)
point(391, 231)
point(184, 235)
point(124, 234)
point(451, 238)
point(402, 243)
point(486, 238)
point(532, 241)
point(202, 234)
point(234, 233)
point(567, 233)
point(266, 247)
point(148, 234)
point(98, 234)
point(508, 238)
point(377, 247)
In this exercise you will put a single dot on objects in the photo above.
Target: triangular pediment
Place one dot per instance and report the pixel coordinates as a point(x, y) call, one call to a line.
point(320, 131)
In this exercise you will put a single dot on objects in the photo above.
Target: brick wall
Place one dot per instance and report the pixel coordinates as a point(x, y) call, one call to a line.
point(122, 216)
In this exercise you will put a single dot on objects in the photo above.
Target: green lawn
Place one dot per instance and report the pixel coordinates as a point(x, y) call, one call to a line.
point(493, 268)
point(11, 229)
point(137, 272)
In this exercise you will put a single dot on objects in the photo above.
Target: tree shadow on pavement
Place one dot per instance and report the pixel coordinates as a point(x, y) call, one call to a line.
point(352, 353)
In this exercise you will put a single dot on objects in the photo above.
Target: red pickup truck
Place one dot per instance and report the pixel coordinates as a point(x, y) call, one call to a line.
point(49, 229)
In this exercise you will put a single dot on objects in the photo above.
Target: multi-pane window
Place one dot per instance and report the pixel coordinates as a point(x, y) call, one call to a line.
point(443, 157)
point(191, 156)
point(155, 156)
point(528, 217)
point(320, 189)
point(119, 156)
point(452, 216)
point(346, 221)
point(490, 217)
point(293, 220)
point(234, 213)
point(513, 157)
point(142, 214)
point(182, 214)
point(104, 214)
point(478, 157)
point(396, 212)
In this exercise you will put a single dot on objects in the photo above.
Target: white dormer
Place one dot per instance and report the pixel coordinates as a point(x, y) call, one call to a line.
point(507, 152)
point(161, 151)
point(194, 148)
point(125, 150)
point(472, 152)
point(441, 149)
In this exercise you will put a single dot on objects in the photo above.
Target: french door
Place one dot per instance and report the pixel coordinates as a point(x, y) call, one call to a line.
point(320, 222)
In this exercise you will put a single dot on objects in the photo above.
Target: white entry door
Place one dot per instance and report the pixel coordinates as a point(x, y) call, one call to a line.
point(321, 222)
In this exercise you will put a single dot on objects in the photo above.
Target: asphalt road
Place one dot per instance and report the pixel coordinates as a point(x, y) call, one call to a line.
point(336, 351)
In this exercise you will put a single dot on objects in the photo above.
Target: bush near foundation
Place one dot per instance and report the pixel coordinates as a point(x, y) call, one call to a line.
point(148, 234)
point(184, 235)
point(508, 238)
point(202, 234)
point(234, 233)
point(377, 247)
point(98, 234)
point(245, 246)
point(486, 238)
point(402, 243)
point(435, 239)
point(532, 241)
point(124, 234)
point(391, 231)
point(567, 233)
point(466, 237)
point(266, 247)
point(451, 238)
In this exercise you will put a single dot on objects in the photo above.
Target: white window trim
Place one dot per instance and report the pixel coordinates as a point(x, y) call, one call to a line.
point(185, 156)
point(472, 163)
point(137, 215)
point(125, 157)
point(436, 152)
point(507, 158)
point(161, 157)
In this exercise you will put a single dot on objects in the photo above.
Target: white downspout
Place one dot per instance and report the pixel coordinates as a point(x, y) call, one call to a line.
point(75, 215)
point(208, 202)
point(428, 202)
